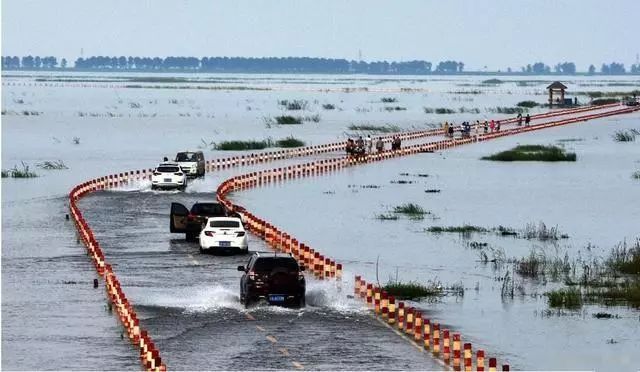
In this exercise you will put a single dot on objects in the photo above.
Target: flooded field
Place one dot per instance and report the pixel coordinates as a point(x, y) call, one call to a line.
point(100, 124)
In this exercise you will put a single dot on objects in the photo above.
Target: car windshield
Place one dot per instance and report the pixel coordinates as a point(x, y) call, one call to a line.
point(186, 156)
point(167, 169)
point(208, 209)
point(224, 223)
point(267, 264)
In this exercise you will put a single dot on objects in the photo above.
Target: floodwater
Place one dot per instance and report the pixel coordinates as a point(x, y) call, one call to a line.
point(52, 318)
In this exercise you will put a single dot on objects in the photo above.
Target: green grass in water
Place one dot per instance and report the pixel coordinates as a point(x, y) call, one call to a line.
point(568, 298)
point(289, 142)
point(533, 153)
point(456, 229)
point(288, 120)
point(412, 290)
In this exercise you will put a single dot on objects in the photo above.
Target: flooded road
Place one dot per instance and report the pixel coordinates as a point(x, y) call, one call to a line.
point(189, 302)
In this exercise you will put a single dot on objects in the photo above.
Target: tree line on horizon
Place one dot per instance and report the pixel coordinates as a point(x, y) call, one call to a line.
point(285, 65)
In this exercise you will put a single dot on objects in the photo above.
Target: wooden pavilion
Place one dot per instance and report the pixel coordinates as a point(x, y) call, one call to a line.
point(556, 87)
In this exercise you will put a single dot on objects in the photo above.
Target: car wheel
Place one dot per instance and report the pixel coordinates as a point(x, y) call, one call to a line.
point(190, 237)
point(153, 187)
point(302, 302)
point(201, 250)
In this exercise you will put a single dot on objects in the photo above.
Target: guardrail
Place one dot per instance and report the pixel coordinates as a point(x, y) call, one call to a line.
point(321, 266)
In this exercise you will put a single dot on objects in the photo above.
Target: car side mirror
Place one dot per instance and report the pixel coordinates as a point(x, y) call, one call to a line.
point(241, 268)
point(302, 268)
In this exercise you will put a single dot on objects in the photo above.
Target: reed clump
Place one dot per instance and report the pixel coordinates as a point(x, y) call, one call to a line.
point(288, 120)
point(15, 172)
point(568, 298)
point(626, 135)
point(533, 153)
point(388, 128)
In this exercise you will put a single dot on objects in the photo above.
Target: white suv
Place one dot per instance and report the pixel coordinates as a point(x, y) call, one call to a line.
point(168, 176)
point(223, 235)
point(191, 162)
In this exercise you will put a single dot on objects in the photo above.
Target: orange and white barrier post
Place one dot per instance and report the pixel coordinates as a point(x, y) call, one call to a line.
point(456, 352)
point(392, 310)
point(446, 347)
point(468, 363)
point(427, 334)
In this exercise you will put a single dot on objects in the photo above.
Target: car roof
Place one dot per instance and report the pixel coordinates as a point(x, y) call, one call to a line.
point(189, 152)
point(224, 219)
point(272, 254)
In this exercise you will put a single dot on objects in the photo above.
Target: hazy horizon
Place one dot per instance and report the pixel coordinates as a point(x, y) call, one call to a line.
point(493, 34)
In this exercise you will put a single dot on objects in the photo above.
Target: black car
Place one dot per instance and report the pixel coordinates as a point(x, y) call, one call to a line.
point(190, 222)
point(272, 277)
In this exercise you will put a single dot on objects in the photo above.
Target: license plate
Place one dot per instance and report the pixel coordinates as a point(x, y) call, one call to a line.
point(167, 180)
point(225, 244)
point(276, 298)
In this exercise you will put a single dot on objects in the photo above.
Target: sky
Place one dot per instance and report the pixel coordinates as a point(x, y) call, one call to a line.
point(495, 34)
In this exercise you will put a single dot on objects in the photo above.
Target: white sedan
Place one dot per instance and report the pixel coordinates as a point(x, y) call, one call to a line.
point(223, 235)
point(168, 176)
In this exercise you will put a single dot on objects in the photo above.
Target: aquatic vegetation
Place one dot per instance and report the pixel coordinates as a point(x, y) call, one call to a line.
point(527, 104)
point(477, 245)
point(442, 111)
point(493, 81)
point(568, 298)
point(313, 118)
point(413, 290)
point(464, 229)
point(289, 142)
point(295, 105)
point(604, 101)
point(432, 191)
point(625, 260)
point(603, 315)
point(49, 165)
point(288, 120)
point(505, 231)
point(541, 232)
point(387, 217)
point(402, 182)
point(439, 110)
point(255, 145)
point(388, 99)
point(506, 110)
point(466, 110)
point(410, 209)
point(242, 145)
point(625, 135)
point(533, 153)
point(16, 172)
point(466, 92)
point(76, 140)
point(537, 264)
point(570, 140)
point(396, 108)
point(635, 175)
point(328, 106)
point(375, 128)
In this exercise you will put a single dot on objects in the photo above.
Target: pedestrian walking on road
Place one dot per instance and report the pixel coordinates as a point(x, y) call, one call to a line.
point(498, 126)
point(369, 144)
point(446, 128)
point(379, 145)
point(486, 127)
point(492, 126)
point(527, 120)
